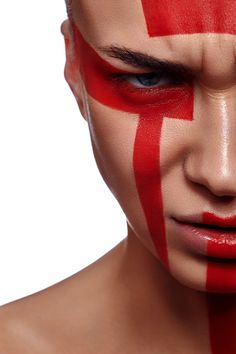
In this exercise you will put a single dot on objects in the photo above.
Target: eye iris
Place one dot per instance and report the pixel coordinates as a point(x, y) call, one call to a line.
point(149, 79)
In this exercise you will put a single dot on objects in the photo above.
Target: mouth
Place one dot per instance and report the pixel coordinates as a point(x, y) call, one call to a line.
point(210, 227)
point(211, 240)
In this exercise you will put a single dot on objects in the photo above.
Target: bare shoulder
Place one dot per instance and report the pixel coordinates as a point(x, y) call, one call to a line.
point(5, 338)
point(23, 326)
point(13, 330)
point(37, 324)
point(60, 318)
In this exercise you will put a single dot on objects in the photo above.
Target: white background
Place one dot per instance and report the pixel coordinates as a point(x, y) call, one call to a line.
point(56, 214)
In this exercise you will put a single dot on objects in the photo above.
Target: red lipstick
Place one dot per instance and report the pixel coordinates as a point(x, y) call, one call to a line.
point(208, 234)
point(212, 219)
point(222, 240)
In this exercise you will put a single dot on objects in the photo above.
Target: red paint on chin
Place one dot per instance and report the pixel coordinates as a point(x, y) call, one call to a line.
point(221, 278)
point(151, 107)
point(170, 17)
point(167, 18)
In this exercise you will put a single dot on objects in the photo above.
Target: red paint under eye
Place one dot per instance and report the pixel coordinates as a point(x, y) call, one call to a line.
point(151, 106)
point(164, 18)
point(163, 99)
point(97, 75)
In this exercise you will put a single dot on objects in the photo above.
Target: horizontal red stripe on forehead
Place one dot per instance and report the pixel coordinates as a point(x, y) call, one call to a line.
point(169, 17)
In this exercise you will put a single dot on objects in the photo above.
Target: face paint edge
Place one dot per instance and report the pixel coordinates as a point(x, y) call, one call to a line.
point(176, 103)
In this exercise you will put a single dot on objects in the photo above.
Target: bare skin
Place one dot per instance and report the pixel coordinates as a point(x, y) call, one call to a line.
point(114, 305)
point(129, 301)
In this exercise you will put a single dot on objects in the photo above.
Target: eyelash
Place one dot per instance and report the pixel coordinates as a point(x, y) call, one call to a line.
point(128, 79)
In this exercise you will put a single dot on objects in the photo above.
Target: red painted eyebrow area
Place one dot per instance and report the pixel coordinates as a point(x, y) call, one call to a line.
point(170, 17)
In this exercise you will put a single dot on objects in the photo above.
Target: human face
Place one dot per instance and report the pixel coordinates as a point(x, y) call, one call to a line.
point(164, 143)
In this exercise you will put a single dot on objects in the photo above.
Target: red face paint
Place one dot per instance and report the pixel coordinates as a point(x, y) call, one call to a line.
point(170, 17)
point(152, 107)
point(165, 18)
point(173, 17)
point(222, 245)
point(221, 276)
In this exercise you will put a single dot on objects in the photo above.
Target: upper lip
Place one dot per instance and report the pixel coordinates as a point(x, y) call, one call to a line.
point(208, 218)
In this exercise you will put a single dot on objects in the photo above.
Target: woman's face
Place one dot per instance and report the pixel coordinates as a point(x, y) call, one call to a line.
point(156, 83)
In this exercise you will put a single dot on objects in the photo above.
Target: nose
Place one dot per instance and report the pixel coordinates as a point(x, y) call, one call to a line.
point(211, 161)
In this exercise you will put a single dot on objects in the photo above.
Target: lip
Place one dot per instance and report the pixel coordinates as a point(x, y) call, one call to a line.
point(209, 219)
point(208, 235)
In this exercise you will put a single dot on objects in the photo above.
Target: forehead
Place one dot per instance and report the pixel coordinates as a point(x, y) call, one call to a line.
point(170, 17)
point(183, 30)
point(164, 17)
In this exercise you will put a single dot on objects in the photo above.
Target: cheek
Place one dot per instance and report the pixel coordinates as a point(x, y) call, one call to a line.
point(113, 135)
point(179, 198)
point(133, 152)
point(127, 150)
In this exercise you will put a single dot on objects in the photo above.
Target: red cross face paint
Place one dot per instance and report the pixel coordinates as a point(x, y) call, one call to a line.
point(152, 107)
point(221, 270)
point(148, 110)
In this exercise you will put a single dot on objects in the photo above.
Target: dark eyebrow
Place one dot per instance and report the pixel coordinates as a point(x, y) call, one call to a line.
point(145, 61)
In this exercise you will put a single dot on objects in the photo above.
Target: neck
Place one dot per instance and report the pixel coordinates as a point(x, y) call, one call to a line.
point(197, 321)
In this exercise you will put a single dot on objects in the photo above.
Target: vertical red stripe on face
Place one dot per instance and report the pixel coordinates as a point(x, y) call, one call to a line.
point(146, 160)
point(170, 17)
point(152, 107)
point(173, 17)
point(221, 277)
point(147, 168)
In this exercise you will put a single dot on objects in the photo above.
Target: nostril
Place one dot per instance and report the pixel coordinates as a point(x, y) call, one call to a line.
point(219, 190)
point(205, 166)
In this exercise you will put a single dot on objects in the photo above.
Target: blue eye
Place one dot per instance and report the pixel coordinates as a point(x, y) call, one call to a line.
point(151, 79)
point(147, 80)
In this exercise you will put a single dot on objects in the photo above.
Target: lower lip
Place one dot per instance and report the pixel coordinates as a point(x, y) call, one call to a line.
point(208, 242)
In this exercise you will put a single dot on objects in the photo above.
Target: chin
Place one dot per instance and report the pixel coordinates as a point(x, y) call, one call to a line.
point(201, 274)
point(221, 275)
point(187, 270)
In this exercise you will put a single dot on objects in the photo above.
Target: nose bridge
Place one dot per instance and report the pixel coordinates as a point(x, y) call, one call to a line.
point(220, 133)
point(213, 162)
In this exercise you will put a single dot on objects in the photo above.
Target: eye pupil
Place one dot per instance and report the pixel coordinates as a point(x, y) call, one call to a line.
point(148, 79)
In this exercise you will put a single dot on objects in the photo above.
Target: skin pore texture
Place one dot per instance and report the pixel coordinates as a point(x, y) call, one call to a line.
point(155, 82)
